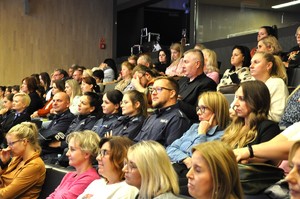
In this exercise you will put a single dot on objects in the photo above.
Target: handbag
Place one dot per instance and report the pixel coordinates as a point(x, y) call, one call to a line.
point(256, 177)
point(229, 89)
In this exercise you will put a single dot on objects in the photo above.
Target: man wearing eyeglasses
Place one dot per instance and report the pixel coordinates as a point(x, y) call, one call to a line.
point(167, 122)
point(194, 83)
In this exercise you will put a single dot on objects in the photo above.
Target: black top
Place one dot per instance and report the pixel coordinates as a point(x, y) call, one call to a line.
point(35, 104)
point(189, 92)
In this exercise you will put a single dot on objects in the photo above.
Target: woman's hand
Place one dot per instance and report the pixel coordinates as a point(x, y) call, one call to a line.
point(242, 155)
point(108, 134)
point(5, 155)
point(3, 111)
point(204, 126)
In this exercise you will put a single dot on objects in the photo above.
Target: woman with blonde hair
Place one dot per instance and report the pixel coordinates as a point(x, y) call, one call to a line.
point(175, 69)
point(269, 69)
point(126, 76)
point(23, 174)
point(73, 90)
point(82, 151)
point(113, 151)
point(211, 64)
point(149, 169)
point(269, 44)
point(250, 125)
point(214, 173)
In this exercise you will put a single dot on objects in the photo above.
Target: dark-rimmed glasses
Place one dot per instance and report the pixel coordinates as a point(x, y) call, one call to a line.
point(158, 89)
point(201, 109)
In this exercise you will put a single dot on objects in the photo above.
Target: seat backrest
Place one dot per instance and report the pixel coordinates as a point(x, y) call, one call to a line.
point(293, 77)
point(53, 178)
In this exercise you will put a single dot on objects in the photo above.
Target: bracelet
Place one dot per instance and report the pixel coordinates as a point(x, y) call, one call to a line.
point(250, 151)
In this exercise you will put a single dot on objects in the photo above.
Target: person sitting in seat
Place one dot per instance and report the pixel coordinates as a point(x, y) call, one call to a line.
point(22, 172)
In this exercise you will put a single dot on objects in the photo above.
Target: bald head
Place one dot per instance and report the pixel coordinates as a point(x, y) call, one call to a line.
point(61, 102)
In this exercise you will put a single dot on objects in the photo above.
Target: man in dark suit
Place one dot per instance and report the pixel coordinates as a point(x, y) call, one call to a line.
point(194, 83)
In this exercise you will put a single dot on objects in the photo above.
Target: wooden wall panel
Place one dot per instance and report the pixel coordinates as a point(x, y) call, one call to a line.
point(55, 34)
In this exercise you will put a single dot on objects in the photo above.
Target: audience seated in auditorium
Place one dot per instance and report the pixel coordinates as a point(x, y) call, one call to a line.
point(293, 58)
point(145, 60)
point(213, 113)
point(214, 172)
point(113, 151)
point(72, 88)
point(22, 171)
point(8, 90)
point(57, 86)
point(167, 123)
point(291, 112)
point(126, 76)
point(89, 84)
point(57, 74)
point(89, 112)
point(263, 32)
point(2, 94)
point(82, 151)
point(194, 83)
point(45, 82)
point(110, 70)
point(164, 59)
point(19, 114)
point(250, 124)
point(148, 168)
point(57, 128)
point(99, 76)
point(269, 44)
point(268, 69)
point(134, 112)
point(111, 108)
point(29, 86)
point(143, 78)
point(239, 72)
point(7, 107)
point(15, 89)
point(77, 75)
point(211, 65)
point(132, 59)
point(175, 69)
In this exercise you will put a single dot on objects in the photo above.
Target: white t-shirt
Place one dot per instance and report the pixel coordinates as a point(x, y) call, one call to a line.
point(98, 189)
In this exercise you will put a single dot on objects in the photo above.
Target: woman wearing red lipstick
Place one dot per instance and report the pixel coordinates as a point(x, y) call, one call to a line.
point(251, 125)
point(214, 172)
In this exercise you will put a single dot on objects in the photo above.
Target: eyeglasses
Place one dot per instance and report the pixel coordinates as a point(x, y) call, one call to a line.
point(201, 109)
point(158, 89)
point(297, 35)
point(103, 152)
point(130, 165)
point(11, 144)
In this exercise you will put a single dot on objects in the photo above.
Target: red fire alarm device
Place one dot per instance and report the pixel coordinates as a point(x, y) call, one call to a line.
point(102, 43)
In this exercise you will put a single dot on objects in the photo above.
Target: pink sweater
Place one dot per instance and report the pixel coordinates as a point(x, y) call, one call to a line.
point(72, 185)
